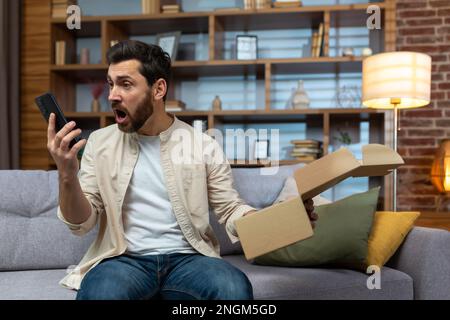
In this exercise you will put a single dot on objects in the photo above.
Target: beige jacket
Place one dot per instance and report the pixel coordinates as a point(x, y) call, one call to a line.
point(197, 175)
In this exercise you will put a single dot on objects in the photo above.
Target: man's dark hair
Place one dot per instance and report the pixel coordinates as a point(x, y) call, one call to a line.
point(155, 63)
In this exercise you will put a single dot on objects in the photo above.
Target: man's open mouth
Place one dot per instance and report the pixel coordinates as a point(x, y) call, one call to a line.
point(120, 115)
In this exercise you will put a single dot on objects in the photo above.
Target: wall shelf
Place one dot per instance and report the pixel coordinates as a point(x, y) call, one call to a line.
point(264, 78)
point(231, 13)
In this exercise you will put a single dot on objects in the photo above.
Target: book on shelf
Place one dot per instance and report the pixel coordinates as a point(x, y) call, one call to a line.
point(302, 155)
point(150, 6)
point(60, 52)
point(63, 3)
point(175, 105)
point(60, 2)
point(262, 4)
point(59, 12)
point(174, 109)
point(171, 8)
point(228, 9)
point(317, 42)
point(306, 141)
point(59, 7)
point(306, 150)
point(304, 159)
point(249, 4)
point(286, 4)
point(314, 44)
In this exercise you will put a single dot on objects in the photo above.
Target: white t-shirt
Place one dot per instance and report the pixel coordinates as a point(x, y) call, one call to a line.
point(149, 222)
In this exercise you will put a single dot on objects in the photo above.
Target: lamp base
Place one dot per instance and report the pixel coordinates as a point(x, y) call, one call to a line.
point(395, 102)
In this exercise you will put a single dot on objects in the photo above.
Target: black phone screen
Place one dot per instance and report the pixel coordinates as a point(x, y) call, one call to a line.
point(47, 104)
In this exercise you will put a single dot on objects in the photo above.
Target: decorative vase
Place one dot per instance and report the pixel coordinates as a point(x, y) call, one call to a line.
point(95, 105)
point(300, 99)
point(348, 97)
point(347, 52)
point(84, 56)
point(217, 104)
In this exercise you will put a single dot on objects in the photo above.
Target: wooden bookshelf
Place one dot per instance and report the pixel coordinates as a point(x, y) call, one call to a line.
point(63, 79)
point(434, 219)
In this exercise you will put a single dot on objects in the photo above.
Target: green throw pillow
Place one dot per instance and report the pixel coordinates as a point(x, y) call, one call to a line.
point(340, 236)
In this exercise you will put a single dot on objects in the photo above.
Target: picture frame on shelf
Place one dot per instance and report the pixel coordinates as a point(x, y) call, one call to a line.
point(246, 47)
point(169, 43)
point(261, 149)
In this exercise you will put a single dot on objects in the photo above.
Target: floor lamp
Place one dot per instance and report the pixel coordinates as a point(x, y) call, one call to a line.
point(396, 80)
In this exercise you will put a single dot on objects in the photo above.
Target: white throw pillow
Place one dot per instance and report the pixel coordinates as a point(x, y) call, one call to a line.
point(290, 191)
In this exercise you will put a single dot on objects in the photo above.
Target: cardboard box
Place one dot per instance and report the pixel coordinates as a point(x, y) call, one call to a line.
point(273, 227)
point(287, 222)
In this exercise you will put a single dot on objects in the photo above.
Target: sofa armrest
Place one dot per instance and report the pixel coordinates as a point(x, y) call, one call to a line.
point(425, 257)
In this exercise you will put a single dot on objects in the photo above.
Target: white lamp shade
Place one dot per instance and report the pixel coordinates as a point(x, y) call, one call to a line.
point(404, 76)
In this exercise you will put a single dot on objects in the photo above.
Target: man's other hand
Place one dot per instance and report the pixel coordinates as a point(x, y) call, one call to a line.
point(250, 212)
point(309, 206)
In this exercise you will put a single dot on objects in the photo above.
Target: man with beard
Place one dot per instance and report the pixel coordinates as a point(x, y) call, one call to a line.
point(154, 238)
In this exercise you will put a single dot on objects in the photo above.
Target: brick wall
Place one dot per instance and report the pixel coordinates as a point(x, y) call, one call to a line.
point(424, 26)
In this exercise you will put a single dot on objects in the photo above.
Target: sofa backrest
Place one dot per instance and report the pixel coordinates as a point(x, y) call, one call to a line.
point(31, 235)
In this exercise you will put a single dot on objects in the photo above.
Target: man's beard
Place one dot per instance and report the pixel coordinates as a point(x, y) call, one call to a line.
point(143, 111)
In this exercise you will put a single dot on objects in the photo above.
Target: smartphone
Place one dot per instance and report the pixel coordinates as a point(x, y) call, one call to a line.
point(47, 104)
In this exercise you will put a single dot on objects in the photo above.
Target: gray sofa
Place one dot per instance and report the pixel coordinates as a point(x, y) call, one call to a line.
point(36, 249)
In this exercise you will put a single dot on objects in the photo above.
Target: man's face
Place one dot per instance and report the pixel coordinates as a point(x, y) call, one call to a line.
point(130, 95)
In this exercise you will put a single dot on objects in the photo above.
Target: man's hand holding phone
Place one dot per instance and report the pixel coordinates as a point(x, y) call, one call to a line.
point(58, 145)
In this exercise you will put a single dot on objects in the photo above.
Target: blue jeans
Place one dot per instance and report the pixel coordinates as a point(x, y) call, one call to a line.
point(167, 276)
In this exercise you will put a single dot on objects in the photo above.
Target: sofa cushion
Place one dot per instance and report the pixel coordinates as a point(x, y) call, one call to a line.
point(34, 285)
point(285, 283)
point(290, 191)
point(340, 236)
point(268, 283)
point(388, 232)
point(259, 187)
point(32, 236)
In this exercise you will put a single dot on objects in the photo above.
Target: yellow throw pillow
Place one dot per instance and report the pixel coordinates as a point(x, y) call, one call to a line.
point(389, 229)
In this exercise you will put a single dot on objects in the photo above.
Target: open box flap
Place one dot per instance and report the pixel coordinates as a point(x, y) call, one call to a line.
point(378, 160)
point(323, 173)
